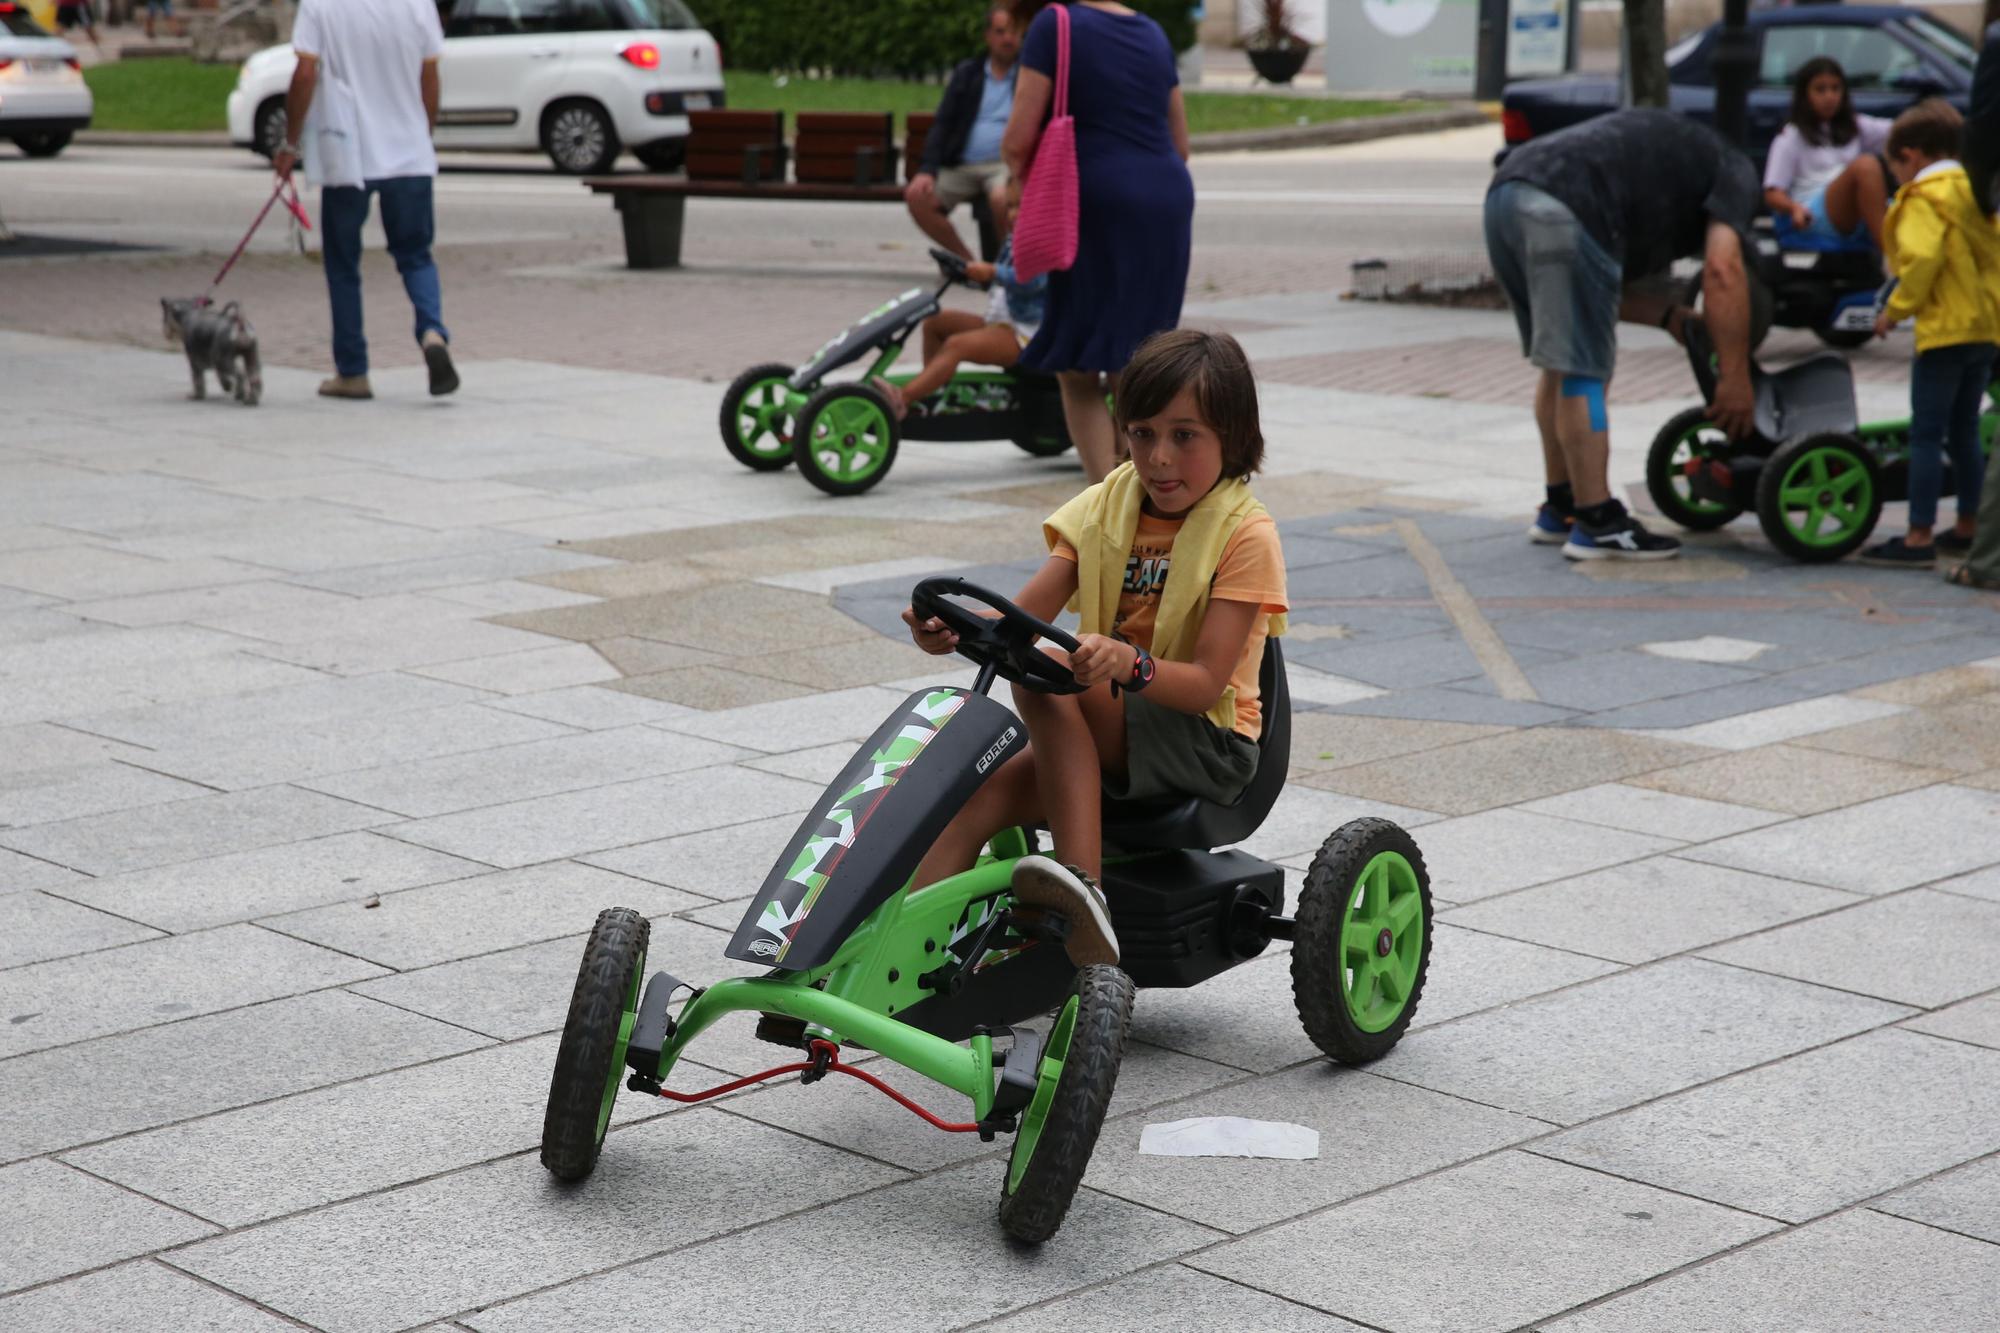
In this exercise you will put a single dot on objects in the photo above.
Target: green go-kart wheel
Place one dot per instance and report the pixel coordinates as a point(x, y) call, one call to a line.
point(1818, 498)
point(1363, 941)
point(590, 1061)
point(757, 422)
point(846, 441)
point(1688, 437)
point(1059, 1128)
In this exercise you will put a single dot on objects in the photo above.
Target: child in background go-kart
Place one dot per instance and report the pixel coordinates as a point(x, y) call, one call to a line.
point(953, 337)
point(1823, 182)
point(1178, 578)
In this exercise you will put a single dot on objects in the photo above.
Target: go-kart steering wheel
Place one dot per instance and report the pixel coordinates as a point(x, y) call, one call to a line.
point(953, 267)
point(1003, 646)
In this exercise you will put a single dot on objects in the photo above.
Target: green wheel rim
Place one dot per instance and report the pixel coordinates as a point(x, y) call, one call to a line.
point(625, 1022)
point(764, 418)
point(1381, 942)
point(1689, 448)
point(1826, 496)
point(1054, 1052)
point(851, 436)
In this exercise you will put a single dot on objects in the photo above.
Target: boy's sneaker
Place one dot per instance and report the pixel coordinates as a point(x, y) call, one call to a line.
point(1065, 889)
point(1624, 538)
point(1550, 528)
point(1898, 554)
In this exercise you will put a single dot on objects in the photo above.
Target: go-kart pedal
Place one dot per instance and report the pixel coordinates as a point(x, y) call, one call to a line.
point(781, 1030)
point(1042, 882)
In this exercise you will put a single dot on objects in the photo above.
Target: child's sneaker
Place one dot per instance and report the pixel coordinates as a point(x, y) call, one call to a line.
point(1624, 538)
point(1899, 554)
point(1550, 528)
point(1067, 890)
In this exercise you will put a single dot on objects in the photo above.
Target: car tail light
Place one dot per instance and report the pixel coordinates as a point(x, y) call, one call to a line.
point(73, 62)
point(1514, 126)
point(644, 55)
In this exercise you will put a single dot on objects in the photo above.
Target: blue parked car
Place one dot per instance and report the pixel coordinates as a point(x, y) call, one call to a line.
point(1893, 56)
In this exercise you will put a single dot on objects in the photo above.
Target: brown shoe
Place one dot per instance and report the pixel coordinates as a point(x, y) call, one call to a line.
point(1067, 891)
point(346, 386)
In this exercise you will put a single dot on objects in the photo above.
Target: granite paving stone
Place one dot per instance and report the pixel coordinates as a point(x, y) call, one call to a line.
point(141, 1294)
point(1965, 1200)
point(1921, 948)
point(82, 699)
point(482, 914)
point(1824, 1129)
point(446, 571)
point(43, 745)
point(591, 707)
point(1502, 770)
point(711, 688)
point(549, 827)
point(203, 606)
point(1605, 681)
point(314, 698)
point(1494, 1244)
point(1444, 704)
point(967, 1272)
point(61, 1221)
point(725, 863)
point(61, 1098)
point(1790, 779)
point(1738, 729)
point(81, 572)
point(1856, 1270)
point(1959, 736)
point(395, 649)
point(1322, 741)
point(1976, 1021)
point(1891, 663)
point(526, 671)
point(1937, 833)
point(1983, 884)
point(1949, 686)
point(1625, 1038)
point(190, 830)
point(1425, 659)
point(433, 1250)
point(538, 767)
point(95, 788)
point(1648, 909)
point(1405, 1135)
point(115, 649)
point(65, 1000)
point(1174, 1296)
point(1477, 856)
point(792, 724)
point(19, 874)
point(35, 926)
point(1644, 810)
point(822, 763)
point(1303, 819)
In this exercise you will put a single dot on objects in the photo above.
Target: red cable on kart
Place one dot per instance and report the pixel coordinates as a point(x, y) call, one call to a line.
point(833, 1065)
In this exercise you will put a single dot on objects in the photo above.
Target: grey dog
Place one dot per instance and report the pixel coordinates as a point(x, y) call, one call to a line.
point(216, 338)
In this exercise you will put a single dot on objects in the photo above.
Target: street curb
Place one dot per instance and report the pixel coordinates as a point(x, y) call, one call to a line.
point(154, 139)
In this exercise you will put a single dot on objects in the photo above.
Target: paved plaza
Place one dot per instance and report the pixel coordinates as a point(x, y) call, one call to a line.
point(328, 729)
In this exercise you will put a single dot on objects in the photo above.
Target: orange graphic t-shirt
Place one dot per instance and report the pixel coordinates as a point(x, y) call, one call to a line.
point(1252, 569)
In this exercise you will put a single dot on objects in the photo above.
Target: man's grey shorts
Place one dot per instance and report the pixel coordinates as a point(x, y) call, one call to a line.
point(1563, 287)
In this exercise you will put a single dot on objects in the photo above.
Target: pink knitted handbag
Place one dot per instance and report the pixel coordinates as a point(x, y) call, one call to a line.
point(1045, 232)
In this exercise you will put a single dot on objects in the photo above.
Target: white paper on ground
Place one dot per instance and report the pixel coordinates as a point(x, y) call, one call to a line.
point(1229, 1136)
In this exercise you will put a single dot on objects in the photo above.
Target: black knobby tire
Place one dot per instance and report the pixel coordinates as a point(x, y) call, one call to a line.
point(834, 399)
point(267, 131)
point(579, 138)
point(43, 143)
point(1845, 339)
point(779, 456)
point(1033, 1209)
point(662, 155)
point(590, 1055)
point(1773, 510)
point(1661, 475)
point(1320, 966)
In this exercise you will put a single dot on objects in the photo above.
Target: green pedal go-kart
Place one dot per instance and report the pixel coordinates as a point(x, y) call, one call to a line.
point(843, 436)
point(943, 980)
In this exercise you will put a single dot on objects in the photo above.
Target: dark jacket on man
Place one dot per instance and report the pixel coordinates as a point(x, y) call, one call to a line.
point(944, 146)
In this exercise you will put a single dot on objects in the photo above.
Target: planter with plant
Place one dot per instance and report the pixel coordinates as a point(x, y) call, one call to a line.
point(1276, 50)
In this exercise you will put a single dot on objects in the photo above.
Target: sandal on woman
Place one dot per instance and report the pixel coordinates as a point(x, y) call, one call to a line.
point(1965, 576)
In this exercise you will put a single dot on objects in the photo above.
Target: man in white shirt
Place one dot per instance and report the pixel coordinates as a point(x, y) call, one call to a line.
point(367, 72)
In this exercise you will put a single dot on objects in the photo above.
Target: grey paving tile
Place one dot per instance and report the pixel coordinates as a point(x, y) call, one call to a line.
point(1625, 1038)
point(1412, 663)
point(61, 1221)
point(1805, 1135)
point(1493, 1244)
point(1857, 1270)
point(1443, 704)
point(218, 890)
point(725, 863)
point(1605, 681)
point(483, 914)
point(1891, 663)
point(19, 873)
point(80, 572)
point(551, 827)
point(1304, 818)
point(142, 1294)
point(1477, 856)
point(434, 1249)
point(793, 724)
point(527, 671)
point(61, 1098)
point(1921, 948)
point(562, 763)
point(202, 606)
point(592, 707)
point(1922, 835)
point(1648, 909)
point(822, 763)
point(35, 926)
point(1662, 814)
point(313, 699)
point(1407, 1132)
point(1172, 1297)
point(107, 649)
point(81, 699)
point(190, 830)
point(394, 649)
point(1966, 1200)
point(156, 981)
point(1506, 769)
point(447, 571)
point(41, 745)
point(1983, 884)
point(968, 1271)
point(94, 788)
point(1976, 1021)
point(321, 1146)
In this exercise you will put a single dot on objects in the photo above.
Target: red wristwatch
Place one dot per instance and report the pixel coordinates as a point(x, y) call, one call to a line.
point(1142, 669)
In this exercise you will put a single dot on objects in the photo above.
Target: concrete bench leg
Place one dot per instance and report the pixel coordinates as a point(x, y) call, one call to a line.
point(653, 224)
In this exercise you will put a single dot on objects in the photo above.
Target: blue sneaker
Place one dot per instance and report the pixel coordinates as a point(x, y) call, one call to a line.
point(1624, 538)
point(1549, 528)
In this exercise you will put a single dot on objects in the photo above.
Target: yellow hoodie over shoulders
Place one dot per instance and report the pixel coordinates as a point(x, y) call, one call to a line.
point(1945, 254)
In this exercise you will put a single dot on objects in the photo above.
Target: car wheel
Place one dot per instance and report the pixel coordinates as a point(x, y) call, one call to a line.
point(663, 155)
point(45, 144)
point(267, 130)
point(579, 138)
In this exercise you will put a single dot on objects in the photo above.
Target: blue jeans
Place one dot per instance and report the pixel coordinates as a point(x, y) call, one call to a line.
point(409, 224)
point(1946, 389)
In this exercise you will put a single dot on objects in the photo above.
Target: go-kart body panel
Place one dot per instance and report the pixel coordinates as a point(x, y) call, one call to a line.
point(890, 323)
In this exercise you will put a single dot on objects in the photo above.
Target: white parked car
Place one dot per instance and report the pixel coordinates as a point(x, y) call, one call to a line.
point(579, 79)
point(43, 98)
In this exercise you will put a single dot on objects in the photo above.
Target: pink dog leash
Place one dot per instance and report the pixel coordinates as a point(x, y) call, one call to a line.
point(297, 212)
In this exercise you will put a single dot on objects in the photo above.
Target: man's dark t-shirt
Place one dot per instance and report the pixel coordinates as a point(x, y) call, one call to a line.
point(1644, 183)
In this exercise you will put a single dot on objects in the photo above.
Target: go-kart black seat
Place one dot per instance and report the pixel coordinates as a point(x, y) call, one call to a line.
point(1203, 825)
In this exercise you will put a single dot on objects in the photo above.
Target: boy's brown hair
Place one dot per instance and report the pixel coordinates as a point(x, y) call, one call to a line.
point(1932, 128)
point(1214, 367)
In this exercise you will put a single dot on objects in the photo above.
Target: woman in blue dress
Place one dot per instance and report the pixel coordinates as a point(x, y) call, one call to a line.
point(1135, 202)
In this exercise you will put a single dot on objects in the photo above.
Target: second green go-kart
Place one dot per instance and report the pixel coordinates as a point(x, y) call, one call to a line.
point(960, 983)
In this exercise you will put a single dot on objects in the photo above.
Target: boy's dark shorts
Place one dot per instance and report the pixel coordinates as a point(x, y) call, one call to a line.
point(1170, 754)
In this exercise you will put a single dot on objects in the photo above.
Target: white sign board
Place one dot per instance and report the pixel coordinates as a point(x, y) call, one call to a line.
point(1537, 37)
point(1401, 46)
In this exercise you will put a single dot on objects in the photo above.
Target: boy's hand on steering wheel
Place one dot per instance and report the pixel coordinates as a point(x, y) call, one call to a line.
point(930, 635)
point(1099, 658)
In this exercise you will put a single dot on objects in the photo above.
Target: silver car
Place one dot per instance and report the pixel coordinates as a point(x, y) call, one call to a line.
point(43, 98)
